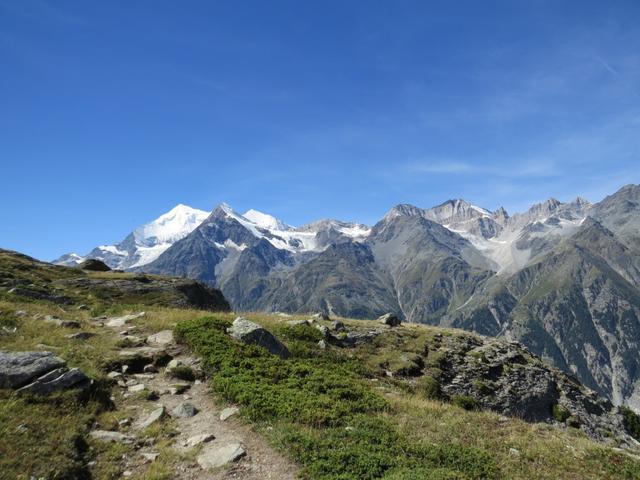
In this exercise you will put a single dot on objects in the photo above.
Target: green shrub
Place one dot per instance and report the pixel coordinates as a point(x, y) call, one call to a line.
point(631, 422)
point(429, 387)
point(465, 401)
point(324, 414)
point(560, 414)
point(183, 372)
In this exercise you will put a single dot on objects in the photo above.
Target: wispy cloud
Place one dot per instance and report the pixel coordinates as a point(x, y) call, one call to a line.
point(511, 170)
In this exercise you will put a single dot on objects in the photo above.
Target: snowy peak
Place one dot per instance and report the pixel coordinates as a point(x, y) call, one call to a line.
point(265, 220)
point(170, 227)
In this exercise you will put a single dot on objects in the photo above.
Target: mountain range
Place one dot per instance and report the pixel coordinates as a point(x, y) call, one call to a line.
point(561, 278)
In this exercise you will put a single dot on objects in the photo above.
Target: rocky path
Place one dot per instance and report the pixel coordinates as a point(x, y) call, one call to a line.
point(210, 441)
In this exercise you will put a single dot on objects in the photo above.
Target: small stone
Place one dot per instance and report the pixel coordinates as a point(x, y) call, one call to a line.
point(228, 412)
point(179, 388)
point(514, 452)
point(163, 337)
point(124, 422)
point(113, 437)
point(295, 323)
point(322, 345)
point(150, 457)
point(173, 364)
point(184, 410)
point(150, 368)
point(82, 307)
point(152, 418)
point(121, 321)
point(198, 439)
point(136, 388)
point(320, 316)
point(214, 456)
point(80, 335)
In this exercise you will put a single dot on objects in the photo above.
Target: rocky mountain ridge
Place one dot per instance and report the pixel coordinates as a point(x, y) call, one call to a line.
point(563, 278)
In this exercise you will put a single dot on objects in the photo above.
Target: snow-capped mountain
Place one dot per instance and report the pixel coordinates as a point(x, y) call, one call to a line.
point(556, 277)
point(145, 243)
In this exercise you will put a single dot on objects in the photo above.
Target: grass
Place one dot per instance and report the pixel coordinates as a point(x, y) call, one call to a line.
point(341, 428)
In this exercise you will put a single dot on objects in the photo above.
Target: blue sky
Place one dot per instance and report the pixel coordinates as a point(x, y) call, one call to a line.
point(113, 112)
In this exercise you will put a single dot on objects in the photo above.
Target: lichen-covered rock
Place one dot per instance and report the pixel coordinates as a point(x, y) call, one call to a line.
point(253, 334)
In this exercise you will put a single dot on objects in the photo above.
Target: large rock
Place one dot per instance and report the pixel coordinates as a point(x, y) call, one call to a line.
point(121, 321)
point(94, 265)
point(253, 334)
point(215, 456)
point(163, 337)
point(20, 368)
point(152, 418)
point(184, 410)
point(58, 379)
point(111, 437)
point(390, 319)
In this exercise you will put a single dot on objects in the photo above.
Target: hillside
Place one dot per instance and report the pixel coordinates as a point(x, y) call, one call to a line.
point(342, 399)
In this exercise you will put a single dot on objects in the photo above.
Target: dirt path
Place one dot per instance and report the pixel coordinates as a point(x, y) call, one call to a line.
point(259, 462)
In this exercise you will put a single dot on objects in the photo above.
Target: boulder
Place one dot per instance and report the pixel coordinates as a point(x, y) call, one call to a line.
point(163, 337)
point(320, 316)
point(94, 265)
point(253, 334)
point(20, 368)
point(184, 410)
point(390, 319)
point(214, 456)
point(58, 379)
point(337, 326)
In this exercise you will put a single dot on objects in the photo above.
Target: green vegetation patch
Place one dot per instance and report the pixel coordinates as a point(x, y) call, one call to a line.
point(631, 422)
point(325, 413)
point(44, 437)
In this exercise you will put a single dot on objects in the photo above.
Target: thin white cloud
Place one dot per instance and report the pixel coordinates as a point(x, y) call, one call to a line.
point(532, 168)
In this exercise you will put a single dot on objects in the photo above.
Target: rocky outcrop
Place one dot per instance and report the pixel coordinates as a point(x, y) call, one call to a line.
point(38, 373)
point(164, 291)
point(507, 378)
point(94, 265)
point(390, 319)
point(253, 334)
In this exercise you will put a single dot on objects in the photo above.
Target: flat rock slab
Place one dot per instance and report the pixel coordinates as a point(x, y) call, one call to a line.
point(112, 437)
point(228, 413)
point(253, 334)
point(121, 321)
point(20, 368)
point(214, 456)
point(152, 418)
point(58, 379)
point(163, 337)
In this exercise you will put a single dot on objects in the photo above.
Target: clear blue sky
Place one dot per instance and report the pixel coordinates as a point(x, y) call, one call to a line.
point(112, 112)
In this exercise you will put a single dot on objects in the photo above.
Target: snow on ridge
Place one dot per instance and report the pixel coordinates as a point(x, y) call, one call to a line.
point(265, 220)
point(170, 227)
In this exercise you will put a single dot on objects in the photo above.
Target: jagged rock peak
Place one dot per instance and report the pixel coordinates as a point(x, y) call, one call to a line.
point(500, 215)
point(405, 210)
